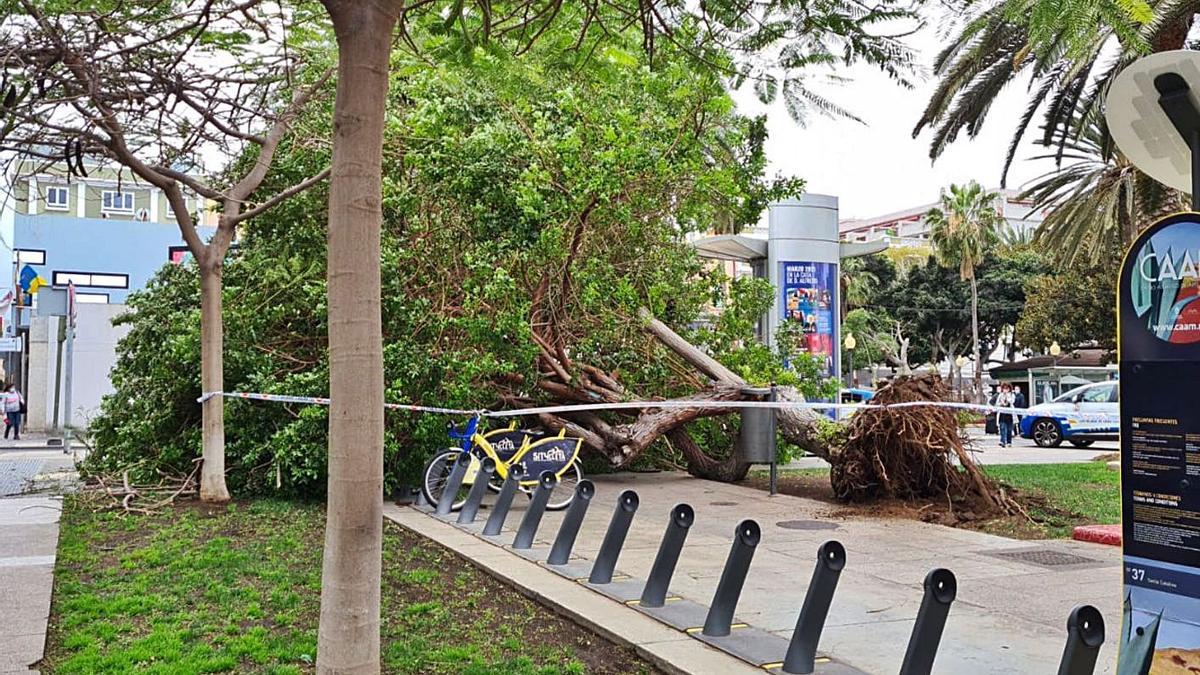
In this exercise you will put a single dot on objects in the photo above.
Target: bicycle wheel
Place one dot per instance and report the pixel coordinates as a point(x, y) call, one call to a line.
point(437, 472)
point(564, 492)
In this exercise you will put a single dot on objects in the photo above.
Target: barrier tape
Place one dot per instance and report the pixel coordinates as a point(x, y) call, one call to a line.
point(627, 405)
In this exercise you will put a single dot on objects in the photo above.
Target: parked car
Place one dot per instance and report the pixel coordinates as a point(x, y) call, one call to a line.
point(855, 395)
point(1081, 417)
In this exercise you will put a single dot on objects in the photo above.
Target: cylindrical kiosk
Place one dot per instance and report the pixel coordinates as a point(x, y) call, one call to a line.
point(803, 252)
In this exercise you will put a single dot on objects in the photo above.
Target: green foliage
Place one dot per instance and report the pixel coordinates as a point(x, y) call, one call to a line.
point(1075, 307)
point(963, 228)
point(505, 181)
point(873, 334)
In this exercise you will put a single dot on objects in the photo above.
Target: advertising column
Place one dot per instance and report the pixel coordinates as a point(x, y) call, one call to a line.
point(803, 254)
point(1159, 336)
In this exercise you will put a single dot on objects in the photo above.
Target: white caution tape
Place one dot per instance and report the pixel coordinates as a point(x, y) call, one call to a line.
point(629, 405)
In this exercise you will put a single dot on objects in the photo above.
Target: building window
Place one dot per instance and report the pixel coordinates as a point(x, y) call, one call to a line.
point(92, 279)
point(30, 256)
point(57, 198)
point(92, 298)
point(112, 201)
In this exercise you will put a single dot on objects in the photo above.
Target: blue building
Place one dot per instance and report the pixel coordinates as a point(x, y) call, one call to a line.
point(105, 258)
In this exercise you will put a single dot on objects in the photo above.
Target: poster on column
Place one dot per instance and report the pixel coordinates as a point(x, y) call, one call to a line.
point(1159, 336)
point(810, 306)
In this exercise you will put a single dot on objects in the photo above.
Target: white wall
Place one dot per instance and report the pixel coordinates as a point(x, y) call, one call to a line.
point(95, 354)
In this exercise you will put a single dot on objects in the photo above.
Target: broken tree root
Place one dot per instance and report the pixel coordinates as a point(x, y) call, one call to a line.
point(913, 453)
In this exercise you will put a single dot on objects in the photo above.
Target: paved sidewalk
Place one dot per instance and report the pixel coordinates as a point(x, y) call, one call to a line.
point(28, 541)
point(1011, 611)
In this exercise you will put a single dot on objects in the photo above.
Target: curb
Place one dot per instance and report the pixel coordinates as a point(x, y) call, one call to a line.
point(1098, 534)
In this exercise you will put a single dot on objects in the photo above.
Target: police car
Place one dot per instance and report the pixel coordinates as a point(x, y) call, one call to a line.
point(1081, 417)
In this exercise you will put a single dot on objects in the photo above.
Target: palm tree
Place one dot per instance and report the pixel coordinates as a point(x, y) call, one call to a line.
point(858, 283)
point(1096, 205)
point(962, 231)
point(1071, 50)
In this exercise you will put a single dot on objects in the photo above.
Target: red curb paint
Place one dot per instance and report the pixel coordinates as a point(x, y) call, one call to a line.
point(1099, 534)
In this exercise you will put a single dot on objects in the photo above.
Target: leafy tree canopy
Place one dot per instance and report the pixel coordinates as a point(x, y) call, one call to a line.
point(498, 177)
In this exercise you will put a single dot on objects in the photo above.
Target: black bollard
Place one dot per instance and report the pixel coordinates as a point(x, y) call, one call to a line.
point(614, 538)
point(475, 496)
point(537, 507)
point(940, 589)
point(512, 482)
point(560, 553)
point(802, 651)
point(1085, 634)
point(733, 577)
point(655, 592)
point(453, 483)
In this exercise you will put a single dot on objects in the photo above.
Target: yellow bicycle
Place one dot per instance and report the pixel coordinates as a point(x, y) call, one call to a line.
point(507, 447)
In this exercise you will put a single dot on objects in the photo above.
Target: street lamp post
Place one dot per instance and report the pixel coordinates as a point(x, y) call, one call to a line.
point(850, 344)
point(960, 362)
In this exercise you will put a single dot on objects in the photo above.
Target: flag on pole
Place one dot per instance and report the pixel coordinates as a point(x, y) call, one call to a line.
point(30, 280)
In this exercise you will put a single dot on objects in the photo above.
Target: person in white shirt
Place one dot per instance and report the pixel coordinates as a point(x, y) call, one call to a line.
point(13, 407)
point(1005, 399)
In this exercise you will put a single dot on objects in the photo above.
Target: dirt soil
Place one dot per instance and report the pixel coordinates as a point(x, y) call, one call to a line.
point(816, 486)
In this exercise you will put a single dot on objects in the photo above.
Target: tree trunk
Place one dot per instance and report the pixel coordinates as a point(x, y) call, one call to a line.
point(975, 338)
point(212, 378)
point(348, 640)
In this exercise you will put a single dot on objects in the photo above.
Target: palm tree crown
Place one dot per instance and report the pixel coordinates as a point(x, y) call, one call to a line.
point(964, 227)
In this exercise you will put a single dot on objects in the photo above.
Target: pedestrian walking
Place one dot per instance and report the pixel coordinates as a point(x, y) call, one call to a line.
point(14, 407)
point(1005, 420)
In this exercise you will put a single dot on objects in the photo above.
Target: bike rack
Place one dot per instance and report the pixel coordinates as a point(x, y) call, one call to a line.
point(654, 594)
point(475, 496)
point(1085, 626)
point(537, 507)
point(733, 577)
point(560, 553)
point(512, 482)
point(802, 650)
point(453, 483)
point(940, 590)
point(614, 538)
point(1085, 634)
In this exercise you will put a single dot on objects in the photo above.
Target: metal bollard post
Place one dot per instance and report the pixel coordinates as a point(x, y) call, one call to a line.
point(475, 496)
point(453, 483)
point(537, 506)
point(560, 553)
point(802, 651)
point(495, 521)
point(1085, 634)
point(614, 538)
point(655, 592)
point(940, 590)
point(733, 577)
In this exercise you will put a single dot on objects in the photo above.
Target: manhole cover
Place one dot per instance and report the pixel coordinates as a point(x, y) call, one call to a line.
point(15, 473)
point(722, 503)
point(1044, 557)
point(806, 525)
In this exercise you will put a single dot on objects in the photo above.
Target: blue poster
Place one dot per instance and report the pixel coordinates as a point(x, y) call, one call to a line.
point(810, 302)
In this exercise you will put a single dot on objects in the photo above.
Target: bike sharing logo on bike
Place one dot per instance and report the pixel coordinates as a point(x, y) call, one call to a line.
point(504, 445)
point(551, 455)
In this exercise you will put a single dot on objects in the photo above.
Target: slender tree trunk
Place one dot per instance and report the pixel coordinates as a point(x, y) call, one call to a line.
point(212, 378)
point(348, 640)
point(975, 338)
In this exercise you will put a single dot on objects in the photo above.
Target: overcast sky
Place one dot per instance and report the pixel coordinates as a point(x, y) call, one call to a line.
point(879, 168)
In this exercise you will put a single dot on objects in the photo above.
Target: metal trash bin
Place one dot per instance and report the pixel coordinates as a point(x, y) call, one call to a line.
point(756, 440)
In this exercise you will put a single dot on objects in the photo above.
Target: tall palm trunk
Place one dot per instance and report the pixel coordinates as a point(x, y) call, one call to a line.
point(348, 639)
point(977, 394)
point(212, 367)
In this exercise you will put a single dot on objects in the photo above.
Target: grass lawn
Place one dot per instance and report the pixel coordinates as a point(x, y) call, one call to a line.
point(1058, 497)
point(204, 590)
point(1089, 491)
